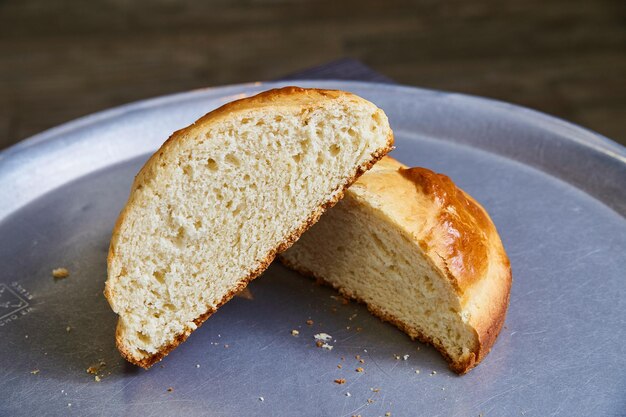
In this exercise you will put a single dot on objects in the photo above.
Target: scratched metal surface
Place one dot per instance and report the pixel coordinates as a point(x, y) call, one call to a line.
point(554, 191)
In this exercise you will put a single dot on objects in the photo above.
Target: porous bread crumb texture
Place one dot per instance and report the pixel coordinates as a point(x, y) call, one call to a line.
point(214, 205)
point(359, 250)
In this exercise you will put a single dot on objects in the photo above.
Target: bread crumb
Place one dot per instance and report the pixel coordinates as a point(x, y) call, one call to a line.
point(226, 346)
point(197, 365)
point(339, 366)
point(340, 381)
point(60, 273)
point(369, 401)
point(68, 329)
point(348, 394)
point(94, 369)
point(417, 371)
point(170, 389)
point(34, 371)
point(375, 389)
point(97, 378)
point(69, 404)
point(433, 373)
point(261, 399)
point(309, 322)
point(361, 361)
point(359, 369)
point(405, 357)
point(387, 414)
point(321, 339)
point(358, 329)
point(397, 357)
point(295, 332)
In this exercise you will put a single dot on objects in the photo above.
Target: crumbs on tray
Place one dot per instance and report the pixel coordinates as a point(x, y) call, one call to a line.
point(60, 273)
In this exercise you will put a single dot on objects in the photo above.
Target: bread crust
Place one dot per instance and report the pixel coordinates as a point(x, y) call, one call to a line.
point(458, 238)
point(286, 96)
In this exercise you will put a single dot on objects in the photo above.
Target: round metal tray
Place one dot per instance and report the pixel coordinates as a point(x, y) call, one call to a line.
point(556, 192)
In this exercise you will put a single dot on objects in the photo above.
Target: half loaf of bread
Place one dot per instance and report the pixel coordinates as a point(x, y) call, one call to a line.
point(420, 252)
point(214, 205)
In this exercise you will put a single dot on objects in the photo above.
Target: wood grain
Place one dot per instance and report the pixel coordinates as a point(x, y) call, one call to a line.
point(63, 59)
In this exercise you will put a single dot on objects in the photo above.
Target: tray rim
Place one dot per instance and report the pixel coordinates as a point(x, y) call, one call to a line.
point(613, 148)
point(601, 151)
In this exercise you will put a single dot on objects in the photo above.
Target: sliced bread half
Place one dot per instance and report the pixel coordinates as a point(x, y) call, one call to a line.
point(214, 205)
point(420, 252)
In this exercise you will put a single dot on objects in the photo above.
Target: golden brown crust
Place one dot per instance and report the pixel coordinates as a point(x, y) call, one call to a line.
point(148, 361)
point(489, 326)
point(457, 237)
point(461, 232)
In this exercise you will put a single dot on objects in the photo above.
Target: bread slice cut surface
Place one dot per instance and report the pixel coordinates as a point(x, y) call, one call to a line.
point(214, 205)
point(420, 252)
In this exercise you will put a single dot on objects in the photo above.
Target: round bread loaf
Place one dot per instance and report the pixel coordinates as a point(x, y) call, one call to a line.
point(420, 252)
point(214, 205)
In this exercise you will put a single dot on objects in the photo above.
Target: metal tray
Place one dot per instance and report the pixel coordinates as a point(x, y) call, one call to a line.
point(556, 192)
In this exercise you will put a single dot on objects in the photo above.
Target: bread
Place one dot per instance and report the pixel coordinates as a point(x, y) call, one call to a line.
point(420, 252)
point(214, 205)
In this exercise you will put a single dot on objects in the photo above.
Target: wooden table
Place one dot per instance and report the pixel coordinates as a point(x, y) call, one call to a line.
point(63, 59)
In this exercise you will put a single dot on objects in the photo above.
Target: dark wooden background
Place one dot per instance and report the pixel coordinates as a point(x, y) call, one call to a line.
point(61, 59)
